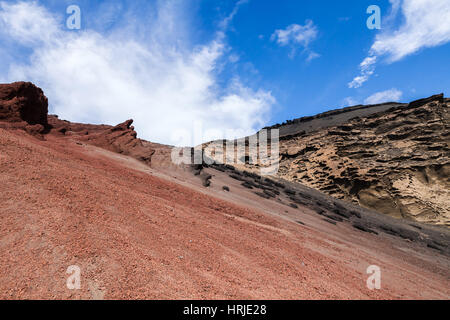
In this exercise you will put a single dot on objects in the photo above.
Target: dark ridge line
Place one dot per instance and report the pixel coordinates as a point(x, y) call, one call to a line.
point(333, 113)
point(413, 104)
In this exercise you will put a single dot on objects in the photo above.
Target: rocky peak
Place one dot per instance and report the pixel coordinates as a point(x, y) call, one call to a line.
point(23, 101)
point(122, 139)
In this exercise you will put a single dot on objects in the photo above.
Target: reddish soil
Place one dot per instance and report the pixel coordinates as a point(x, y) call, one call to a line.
point(138, 236)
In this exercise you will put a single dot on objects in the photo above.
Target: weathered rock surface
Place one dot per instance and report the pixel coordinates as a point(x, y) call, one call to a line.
point(23, 101)
point(395, 161)
point(23, 106)
point(122, 139)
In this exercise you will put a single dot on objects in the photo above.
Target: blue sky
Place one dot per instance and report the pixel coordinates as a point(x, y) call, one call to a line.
point(228, 67)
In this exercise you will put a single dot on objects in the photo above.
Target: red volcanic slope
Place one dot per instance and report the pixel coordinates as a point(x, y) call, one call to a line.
point(136, 232)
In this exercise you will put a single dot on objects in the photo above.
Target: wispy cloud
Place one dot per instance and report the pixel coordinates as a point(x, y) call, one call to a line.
point(392, 95)
point(224, 24)
point(28, 24)
point(312, 55)
point(297, 36)
point(367, 68)
point(163, 84)
point(349, 101)
point(425, 25)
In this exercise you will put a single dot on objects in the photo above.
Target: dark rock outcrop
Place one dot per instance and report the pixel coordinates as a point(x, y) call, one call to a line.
point(23, 101)
point(24, 106)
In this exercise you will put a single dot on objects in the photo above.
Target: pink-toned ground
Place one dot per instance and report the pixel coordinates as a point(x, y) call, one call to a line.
point(140, 232)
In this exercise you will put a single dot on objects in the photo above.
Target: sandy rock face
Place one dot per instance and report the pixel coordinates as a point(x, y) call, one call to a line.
point(395, 162)
point(23, 101)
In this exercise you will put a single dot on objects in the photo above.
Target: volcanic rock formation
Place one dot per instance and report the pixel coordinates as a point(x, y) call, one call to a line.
point(122, 139)
point(393, 158)
point(22, 101)
point(24, 106)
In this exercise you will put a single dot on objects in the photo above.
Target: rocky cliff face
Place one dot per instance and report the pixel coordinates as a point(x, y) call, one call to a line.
point(22, 101)
point(395, 161)
point(23, 106)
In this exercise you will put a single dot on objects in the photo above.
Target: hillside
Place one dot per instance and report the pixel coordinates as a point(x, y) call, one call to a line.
point(140, 227)
point(392, 158)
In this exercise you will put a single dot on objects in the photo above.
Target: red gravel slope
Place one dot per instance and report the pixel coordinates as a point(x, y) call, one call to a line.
point(138, 235)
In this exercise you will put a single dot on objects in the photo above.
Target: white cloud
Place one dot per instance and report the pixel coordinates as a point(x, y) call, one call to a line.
point(349, 101)
point(225, 22)
point(392, 95)
point(296, 35)
point(425, 25)
point(162, 84)
point(367, 68)
point(312, 55)
point(28, 23)
point(233, 58)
